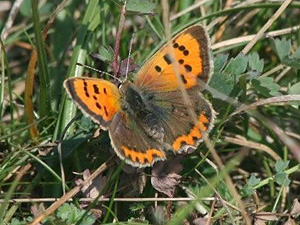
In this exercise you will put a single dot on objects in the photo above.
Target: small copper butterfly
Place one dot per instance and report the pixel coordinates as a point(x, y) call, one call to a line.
point(148, 117)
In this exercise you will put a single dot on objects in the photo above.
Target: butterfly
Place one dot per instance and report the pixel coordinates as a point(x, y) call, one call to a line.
point(150, 116)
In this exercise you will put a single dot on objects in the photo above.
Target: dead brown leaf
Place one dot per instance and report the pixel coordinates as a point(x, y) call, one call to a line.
point(132, 181)
point(165, 175)
point(295, 211)
point(127, 66)
point(93, 188)
point(37, 209)
point(200, 221)
point(290, 221)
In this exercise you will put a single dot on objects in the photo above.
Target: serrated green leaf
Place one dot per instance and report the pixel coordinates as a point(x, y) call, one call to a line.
point(292, 62)
point(295, 89)
point(266, 86)
point(297, 54)
point(248, 190)
point(253, 180)
point(88, 219)
point(219, 62)
point(282, 47)
point(15, 221)
point(255, 63)
point(105, 54)
point(237, 65)
point(222, 83)
point(144, 7)
point(64, 211)
point(71, 214)
point(281, 165)
point(282, 179)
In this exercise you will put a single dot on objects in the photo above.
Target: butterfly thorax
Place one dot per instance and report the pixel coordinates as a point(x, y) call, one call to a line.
point(138, 107)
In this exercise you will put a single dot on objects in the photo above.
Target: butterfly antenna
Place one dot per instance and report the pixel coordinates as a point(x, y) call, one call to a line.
point(99, 71)
point(129, 54)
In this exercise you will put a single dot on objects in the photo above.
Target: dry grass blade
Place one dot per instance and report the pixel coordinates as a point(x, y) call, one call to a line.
point(190, 8)
point(250, 144)
point(284, 5)
point(12, 15)
point(287, 99)
point(248, 38)
point(292, 145)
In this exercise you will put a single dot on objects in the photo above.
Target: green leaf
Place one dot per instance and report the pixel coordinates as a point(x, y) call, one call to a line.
point(282, 47)
point(71, 214)
point(292, 62)
point(219, 62)
point(15, 221)
point(248, 190)
point(25, 8)
point(65, 211)
point(237, 65)
point(222, 83)
point(106, 54)
point(280, 166)
point(282, 179)
point(266, 86)
point(297, 54)
point(255, 63)
point(253, 180)
point(295, 89)
point(144, 7)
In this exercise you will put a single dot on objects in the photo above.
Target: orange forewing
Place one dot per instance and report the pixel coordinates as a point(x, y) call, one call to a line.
point(98, 98)
point(191, 60)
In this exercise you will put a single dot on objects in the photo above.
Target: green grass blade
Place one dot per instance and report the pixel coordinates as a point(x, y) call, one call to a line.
point(68, 109)
point(44, 89)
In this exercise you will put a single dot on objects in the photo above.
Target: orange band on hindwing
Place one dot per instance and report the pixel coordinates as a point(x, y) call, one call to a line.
point(194, 135)
point(146, 157)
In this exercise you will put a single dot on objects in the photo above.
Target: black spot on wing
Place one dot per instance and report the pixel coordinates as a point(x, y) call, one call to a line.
point(105, 111)
point(158, 68)
point(96, 89)
point(186, 52)
point(181, 48)
point(188, 68)
point(98, 105)
point(168, 59)
point(183, 79)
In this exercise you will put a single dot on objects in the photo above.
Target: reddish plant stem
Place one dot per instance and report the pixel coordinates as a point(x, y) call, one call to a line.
point(115, 63)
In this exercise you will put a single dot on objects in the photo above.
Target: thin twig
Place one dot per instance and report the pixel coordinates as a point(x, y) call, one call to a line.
point(115, 63)
point(36, 200)
point(71, 193)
